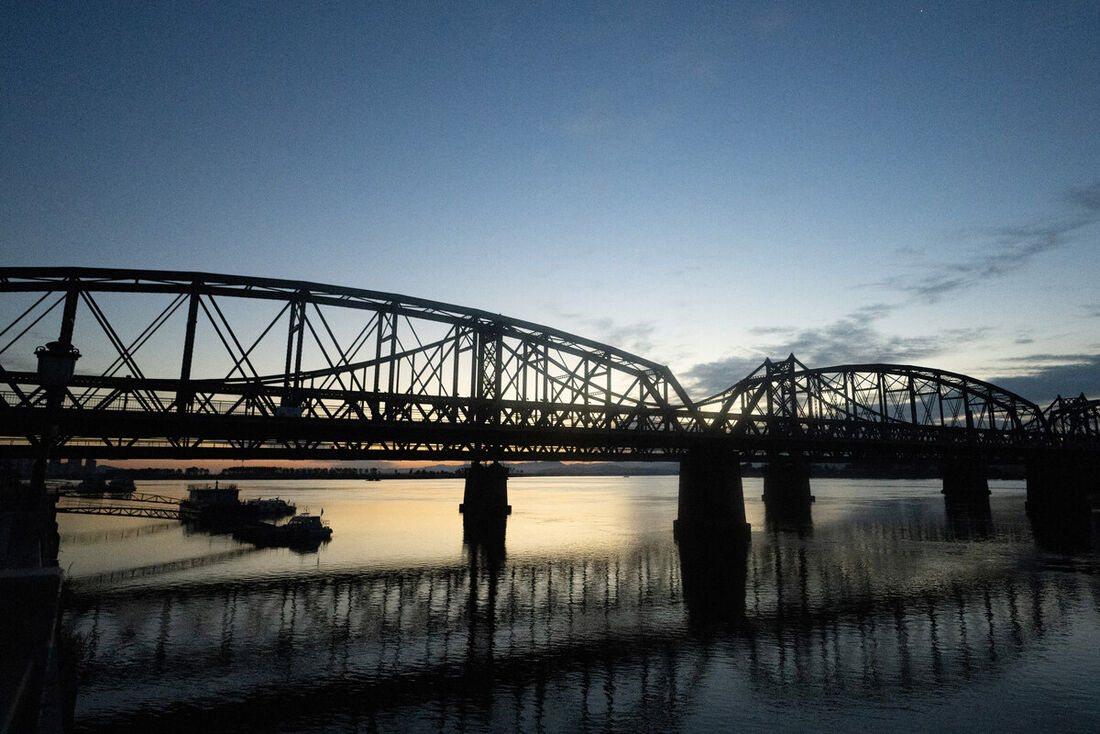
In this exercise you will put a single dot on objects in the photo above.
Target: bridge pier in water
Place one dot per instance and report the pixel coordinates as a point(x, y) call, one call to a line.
point(966, 497)
point(965, 480)
point(787, 485)
point(1060, 487)
point(486, 493)
point(1061, 500)
point(711, 499)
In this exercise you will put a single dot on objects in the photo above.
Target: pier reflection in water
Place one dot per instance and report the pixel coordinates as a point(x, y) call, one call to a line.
point(582, 613)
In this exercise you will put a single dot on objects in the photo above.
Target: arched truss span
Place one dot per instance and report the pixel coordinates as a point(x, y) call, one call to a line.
point(182, 363)
point(1074, 418)
point(872, 403)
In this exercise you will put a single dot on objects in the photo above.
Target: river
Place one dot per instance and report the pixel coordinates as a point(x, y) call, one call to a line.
point(882, 612)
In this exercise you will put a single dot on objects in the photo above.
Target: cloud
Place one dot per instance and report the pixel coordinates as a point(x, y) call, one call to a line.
point(853, 338)
point(708, 378)
point(1004, 250)
point(1046, 376)
point(631, 337)
point(1086, 197)
point(634, 337)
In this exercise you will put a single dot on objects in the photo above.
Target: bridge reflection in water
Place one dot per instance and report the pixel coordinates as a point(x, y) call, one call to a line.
point(866, 609)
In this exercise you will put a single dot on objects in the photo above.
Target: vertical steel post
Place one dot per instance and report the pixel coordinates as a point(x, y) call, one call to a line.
point(966, 405)
point(913, 404)
point(768, 371)
point(291, 328)
point(457, 361)
point(498, 367)
point(68, 319)
point(184, 395)
point(55, 395)
point(607, 392)
point(301, 306)
point(293, 365)
point(392, 381)
point(380, 315)
point(545, 373)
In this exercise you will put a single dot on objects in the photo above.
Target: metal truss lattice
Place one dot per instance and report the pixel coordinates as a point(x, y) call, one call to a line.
point(310, 368)
point(872, 402)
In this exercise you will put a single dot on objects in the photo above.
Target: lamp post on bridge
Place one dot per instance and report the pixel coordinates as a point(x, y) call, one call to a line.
point(56, 364)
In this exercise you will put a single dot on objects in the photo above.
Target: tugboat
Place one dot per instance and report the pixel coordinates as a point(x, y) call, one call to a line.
point(303, 531)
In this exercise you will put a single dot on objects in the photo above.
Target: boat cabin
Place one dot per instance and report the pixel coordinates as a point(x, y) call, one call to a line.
point(215, 496)
point(306, 523)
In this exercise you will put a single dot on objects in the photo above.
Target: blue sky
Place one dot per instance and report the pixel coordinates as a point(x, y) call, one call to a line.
point(702, 184)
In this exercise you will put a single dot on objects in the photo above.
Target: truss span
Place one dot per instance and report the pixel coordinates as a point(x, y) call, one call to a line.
point(1077, 419)
point(199, 364)
point(849, 408)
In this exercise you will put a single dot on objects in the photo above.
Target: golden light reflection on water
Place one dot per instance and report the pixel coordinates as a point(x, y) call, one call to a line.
point(391, 523)
point(396, 523)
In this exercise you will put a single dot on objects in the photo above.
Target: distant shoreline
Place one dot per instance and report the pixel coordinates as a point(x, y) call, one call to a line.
point(858, 471)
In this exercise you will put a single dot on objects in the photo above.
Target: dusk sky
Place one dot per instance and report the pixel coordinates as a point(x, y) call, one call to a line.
point(701, 184)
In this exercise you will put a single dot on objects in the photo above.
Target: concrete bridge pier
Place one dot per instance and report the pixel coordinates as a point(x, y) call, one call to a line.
point(964, 480)
point(787, 485)
point(1061, 497)
point(486, 492)
point(711, 500)
point(1062, 488)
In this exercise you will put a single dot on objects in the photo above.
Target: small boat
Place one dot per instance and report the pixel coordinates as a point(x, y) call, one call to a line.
point(121, 486)
point(303, 531)
point(96, 484)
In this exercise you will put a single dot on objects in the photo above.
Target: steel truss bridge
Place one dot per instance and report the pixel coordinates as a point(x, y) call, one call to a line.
point(197, 365)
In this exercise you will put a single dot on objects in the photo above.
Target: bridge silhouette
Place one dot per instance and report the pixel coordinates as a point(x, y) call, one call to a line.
point(185, 365)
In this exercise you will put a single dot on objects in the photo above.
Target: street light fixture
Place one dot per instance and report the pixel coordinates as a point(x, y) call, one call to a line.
point(56, 363)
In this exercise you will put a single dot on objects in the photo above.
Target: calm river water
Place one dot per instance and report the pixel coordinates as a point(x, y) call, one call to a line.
point(885, 612)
